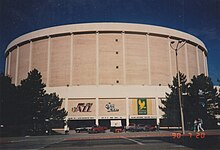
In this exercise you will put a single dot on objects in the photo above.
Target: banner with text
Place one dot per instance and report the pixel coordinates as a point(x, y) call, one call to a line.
point(142, 106)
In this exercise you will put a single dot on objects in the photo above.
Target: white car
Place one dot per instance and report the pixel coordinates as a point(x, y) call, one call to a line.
point(82, 129)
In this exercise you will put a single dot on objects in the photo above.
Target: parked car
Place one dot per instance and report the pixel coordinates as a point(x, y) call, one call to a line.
point(140, 127)
point(131, 127)
point(116, 126)
point(82, 129)
point(150, 128)
point(97, 129)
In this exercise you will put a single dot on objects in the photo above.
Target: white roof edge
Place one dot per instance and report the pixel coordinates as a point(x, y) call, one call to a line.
point(71, 28)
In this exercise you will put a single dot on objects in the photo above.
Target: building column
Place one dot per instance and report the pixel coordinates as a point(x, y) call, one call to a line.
point(149, 58)
point(48, 60)
point(124, 59)
point(97, 111)
point(97, 58)
point(9, 64)
point(127, 111)
point(71, 59)
point(187, 64)
point(30, 56)
point(6, 64)
point(197, 59)
point(206, 66)
point(170, 60)
point(66, 105)
point(205, 63)
point(157, 110)
point(17, 61)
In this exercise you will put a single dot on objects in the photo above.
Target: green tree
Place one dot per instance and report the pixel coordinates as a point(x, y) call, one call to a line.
point(204, 99)
point(31, 92)
point(50, 111)
point(36, 106)
point(171, 107)
point(8, 103)
point(199, 98)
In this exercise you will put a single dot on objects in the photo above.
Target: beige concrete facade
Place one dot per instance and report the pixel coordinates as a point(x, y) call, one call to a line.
point(118, 63)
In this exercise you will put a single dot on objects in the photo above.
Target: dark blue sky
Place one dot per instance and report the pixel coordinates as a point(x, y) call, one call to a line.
point(200, 18)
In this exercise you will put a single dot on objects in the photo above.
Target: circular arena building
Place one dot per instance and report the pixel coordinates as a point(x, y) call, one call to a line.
point(106, 71)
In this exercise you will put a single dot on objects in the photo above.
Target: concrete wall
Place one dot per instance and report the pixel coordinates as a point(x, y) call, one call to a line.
point(23, 62)
point(39, 56)
point(136, 58)
point(105, 58)
point(83, 59)
point(90, 59)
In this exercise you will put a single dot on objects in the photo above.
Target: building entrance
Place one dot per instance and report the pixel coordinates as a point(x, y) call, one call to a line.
point(144, 121)
point(107, 122)
point(80, 123)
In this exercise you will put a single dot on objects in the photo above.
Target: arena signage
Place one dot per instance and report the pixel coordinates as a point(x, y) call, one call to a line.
point(111, 107)
point(142, 106)
point(83, 107)
point(142, 117)
point(81, 118)
point(112, 117)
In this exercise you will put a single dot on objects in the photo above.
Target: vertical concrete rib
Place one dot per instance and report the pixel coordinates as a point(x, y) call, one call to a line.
point(97, 111)
point(48, 61)
point(170, 60)
point(187, 63)
point(147, 65)
point(30, 56)
point(124, 59)
point(203, 56)
point(149, 59)
point(197, 59)
point(6, 65)
point(9, 64)
point(207, 70)
point(66, 101)
point(97, 58)
point(205, 64)
point(17, 61)
point(127, 111)
point(157, 110)
point(71, 59)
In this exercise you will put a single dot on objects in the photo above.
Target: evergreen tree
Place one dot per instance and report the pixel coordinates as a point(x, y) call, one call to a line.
point(203, 97)
point(172, 106)
point(52, 107)
point(36, 106)
point(31, 93)
point(199, 98)
point(8, 103)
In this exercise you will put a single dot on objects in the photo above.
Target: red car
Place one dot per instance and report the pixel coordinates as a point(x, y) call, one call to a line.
point(131, 127)
point(150, 128)
point(97, 129)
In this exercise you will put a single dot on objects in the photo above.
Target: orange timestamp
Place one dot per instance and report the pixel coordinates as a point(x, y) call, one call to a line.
point(198, 135)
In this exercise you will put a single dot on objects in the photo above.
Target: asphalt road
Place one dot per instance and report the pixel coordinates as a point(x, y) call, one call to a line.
point(111, 141)
point(146, 143)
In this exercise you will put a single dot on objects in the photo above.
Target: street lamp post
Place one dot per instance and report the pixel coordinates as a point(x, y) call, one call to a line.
point(179, 45)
